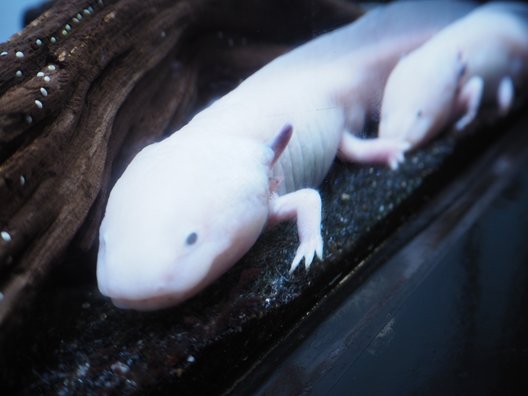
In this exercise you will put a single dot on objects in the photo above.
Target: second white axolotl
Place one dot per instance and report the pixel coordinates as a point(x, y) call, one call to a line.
point(481, 59)
point(187, 208)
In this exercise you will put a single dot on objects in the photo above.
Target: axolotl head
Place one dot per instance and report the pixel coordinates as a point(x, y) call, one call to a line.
point(420, 96)
point(181, 214)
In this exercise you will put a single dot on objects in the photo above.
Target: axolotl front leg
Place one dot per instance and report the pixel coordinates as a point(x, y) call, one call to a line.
point(471, 96)
point(469, 100)
point(305, 205)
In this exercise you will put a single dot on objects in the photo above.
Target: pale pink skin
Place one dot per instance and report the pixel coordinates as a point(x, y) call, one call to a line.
point(479, 59)
point(187, 208)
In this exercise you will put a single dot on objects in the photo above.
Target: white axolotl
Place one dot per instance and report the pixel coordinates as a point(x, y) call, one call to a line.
point(477, 60)
point(187, 208)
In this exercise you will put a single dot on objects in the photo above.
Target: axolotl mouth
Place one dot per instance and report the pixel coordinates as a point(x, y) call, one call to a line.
point(133, 296)
point(148, 304)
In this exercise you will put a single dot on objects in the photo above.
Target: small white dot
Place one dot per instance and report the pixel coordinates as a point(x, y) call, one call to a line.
point(163, 34)
point(19, 73)
point(29, 119)
point(1, 296)
point(191, 359)
point(19, 54)
point(67, 27)
point(78, 16)
point(22, 181)
point(53, 40)
point(39, 104)
point(3, 53)
point(86, 11)
point(43, 91)
point(120, 367)
point(47, 79)
point(40, 74)
point(51, 67)
point(75, 20)
point(64, 33)
point(38, 42)
point(5, 236)
point(101, 2)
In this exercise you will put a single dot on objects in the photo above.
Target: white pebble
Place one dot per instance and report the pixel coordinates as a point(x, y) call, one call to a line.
point(39, 104)
point(191, 359)
point(5, 236)
point(19, 73)
point(75, 20)
point(1, 296)
point(43, 91)
point(19, 54)
point(38, 42)
point(64, 33)
point(78, 16)
point(47, 79)
point(51, 67)
point(23, 180)
point(87, 11)
point(3, 53)
point(67, 27)
point(53, 40)
point(120, 367)
point(82, 370)
point(40, 74)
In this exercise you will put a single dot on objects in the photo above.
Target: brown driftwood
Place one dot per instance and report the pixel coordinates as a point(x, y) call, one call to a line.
point(88, 83)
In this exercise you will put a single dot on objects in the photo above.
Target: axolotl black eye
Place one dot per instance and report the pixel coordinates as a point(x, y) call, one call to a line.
point(191, 238)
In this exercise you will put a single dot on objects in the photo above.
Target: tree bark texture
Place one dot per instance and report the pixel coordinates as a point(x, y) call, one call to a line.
point(88, 83)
